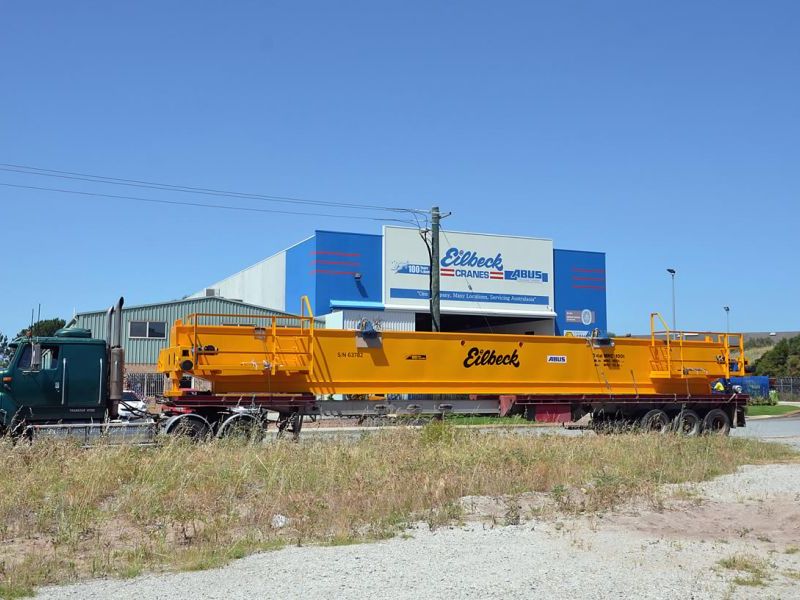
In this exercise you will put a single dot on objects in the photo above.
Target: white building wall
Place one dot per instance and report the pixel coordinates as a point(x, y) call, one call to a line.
point(263, 284)
point(534, 326)
point(387, 320)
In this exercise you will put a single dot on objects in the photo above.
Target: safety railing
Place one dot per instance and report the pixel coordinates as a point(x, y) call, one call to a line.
point(305, 322)
point(679, 338)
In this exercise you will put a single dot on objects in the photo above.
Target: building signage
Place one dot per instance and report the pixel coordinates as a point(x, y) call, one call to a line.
point(584, 317)
point(479, 273)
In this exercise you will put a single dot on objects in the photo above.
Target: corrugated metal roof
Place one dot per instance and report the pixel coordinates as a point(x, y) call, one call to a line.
point(142, 350)
point(209, 299)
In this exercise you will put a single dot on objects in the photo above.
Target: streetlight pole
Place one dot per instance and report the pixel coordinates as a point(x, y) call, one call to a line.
point(672, 274)
point(727, 310)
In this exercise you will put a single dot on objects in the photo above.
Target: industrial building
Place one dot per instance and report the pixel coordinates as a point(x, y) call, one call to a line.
point(489, 283)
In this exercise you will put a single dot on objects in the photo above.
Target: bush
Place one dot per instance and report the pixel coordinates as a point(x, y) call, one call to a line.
point(782, 361)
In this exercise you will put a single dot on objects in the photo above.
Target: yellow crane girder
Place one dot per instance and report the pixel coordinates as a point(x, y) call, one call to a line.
point(267, 358)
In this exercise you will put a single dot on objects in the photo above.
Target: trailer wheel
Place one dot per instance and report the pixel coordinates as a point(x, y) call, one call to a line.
point(655, 421)
point(716, 422)
point(245, 427)
point(193, 427)
point(687, 422)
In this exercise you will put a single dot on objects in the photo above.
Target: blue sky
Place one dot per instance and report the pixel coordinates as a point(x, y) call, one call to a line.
point(665, 134)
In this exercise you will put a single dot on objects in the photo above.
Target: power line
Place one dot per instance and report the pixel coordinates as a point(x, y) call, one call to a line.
point(202, 204)
point(39, 171)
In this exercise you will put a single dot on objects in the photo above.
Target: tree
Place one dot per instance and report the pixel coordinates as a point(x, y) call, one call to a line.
point(43, 328)
point(782, 361)
point(5, 351)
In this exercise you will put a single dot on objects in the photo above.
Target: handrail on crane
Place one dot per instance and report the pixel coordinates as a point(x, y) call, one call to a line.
point(305, 304)
point(653, 332)
point(305, 322)
point(681, 336)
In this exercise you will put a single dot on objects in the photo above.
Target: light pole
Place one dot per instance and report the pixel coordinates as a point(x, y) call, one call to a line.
point(727, 310)
point(672, 274)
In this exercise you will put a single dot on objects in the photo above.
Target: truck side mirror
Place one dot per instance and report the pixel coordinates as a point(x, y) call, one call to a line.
point(36, 357)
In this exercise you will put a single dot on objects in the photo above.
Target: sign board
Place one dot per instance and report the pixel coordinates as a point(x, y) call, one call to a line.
point(479, 273)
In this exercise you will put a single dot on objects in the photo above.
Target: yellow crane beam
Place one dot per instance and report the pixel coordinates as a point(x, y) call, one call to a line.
point(268, 358)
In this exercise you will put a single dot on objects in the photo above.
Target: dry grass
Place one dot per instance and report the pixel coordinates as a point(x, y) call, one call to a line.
point(755, 571)
point(67, 513)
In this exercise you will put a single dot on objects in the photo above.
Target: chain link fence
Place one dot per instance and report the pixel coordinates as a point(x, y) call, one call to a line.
point(146, 385)
point(787, 386)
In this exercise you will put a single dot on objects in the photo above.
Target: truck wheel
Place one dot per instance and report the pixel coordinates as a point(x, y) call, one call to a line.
point(655, 421)
point(193, 427)
point(716, 422)
point(243, 427)
point(687, 422)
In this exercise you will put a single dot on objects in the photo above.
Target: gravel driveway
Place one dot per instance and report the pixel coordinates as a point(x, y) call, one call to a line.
point(638, 553)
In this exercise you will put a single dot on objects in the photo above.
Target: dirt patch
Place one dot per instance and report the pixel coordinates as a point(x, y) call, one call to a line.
point(776, 522)
point(760, 504)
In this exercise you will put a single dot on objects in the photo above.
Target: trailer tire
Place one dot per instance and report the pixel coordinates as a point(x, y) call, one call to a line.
point(246, 427)
point(190, 426)
point(655, 421)
point(688, 423)
point(716, 422)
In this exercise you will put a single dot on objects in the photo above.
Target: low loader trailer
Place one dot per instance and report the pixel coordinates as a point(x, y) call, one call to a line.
point(71, 384)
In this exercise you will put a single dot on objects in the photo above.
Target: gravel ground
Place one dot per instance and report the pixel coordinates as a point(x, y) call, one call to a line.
point(634, 553)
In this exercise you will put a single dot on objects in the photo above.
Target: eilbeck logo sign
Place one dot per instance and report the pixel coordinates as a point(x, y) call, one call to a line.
point(454, 257)
point(478, 357)
point(486, 273)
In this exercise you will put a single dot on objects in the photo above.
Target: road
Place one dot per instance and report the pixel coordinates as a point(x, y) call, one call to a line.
point(775, 429)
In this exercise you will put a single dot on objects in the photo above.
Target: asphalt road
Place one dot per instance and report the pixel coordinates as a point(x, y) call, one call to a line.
point(774, 429)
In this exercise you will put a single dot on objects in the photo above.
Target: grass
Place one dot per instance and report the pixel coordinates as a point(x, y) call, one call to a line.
point(68, 514)
point(766, 410)
point(486, 420)
point(792, 574)
point(755, 571)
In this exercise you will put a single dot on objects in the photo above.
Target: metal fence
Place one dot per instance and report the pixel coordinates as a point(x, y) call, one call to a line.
point(146, 385)
point(787, 385)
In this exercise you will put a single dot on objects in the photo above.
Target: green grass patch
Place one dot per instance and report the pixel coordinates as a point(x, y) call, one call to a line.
point(767, 410)
point(68, 514)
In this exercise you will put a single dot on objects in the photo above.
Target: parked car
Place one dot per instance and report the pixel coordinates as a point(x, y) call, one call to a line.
point(132, 406)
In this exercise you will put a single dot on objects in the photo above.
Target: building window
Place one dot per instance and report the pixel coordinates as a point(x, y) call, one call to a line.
point(147, 329)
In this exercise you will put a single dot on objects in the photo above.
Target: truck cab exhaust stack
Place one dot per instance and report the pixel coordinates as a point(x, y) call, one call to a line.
point(116, 359)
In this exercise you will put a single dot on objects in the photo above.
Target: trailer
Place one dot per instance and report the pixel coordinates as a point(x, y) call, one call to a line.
point(268, 374)
point(661, 383)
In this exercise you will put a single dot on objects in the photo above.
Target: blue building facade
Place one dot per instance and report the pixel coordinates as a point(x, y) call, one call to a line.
point(336, 270)
point(580, 292)
point(342, 271)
